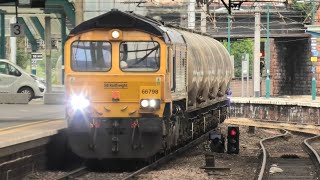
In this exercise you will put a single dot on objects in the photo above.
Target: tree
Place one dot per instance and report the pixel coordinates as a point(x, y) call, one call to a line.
point(305, 8)
point(23, 58)
point(237, 49)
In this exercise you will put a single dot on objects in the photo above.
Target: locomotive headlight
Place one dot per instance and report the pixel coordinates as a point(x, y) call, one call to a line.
point(115, 34)
point(150, 103)
point(144, 103)
point(79, 102)
point(153, 103)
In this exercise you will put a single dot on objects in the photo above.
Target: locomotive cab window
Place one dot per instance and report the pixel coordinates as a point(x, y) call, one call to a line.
point(91, 56)
point(140, 56)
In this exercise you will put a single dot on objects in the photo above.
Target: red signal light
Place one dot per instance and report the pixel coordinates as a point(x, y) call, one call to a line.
point(261, 54)
point(233, 140)
point(233, 132)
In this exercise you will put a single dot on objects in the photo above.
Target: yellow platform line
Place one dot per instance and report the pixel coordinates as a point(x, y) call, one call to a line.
point(27, 124)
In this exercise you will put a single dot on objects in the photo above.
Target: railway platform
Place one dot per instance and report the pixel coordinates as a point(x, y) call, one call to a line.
point(29, 135)
point(28, 123)
point(303, 100)
point(289, 109)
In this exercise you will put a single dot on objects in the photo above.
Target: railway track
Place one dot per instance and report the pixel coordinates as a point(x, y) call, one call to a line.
point(288, 160)
point(83, 170)
point(75, 173)
point(167, 158)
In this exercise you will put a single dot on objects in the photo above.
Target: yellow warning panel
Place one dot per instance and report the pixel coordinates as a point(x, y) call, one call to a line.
point(314, 59)
point(150, 92)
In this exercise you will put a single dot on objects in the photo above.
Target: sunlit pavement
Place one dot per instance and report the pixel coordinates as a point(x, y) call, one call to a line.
point(16, 114)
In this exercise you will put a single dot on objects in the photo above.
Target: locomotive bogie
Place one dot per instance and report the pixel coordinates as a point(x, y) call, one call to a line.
point(125, 138)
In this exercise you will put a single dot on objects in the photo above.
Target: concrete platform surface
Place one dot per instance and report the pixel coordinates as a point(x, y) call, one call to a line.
point(17, 114)
point(22, 123)
point(29, 132)
point(303, 100)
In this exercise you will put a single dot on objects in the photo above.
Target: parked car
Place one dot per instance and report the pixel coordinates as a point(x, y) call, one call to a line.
point(41, 80)
point(14, 79)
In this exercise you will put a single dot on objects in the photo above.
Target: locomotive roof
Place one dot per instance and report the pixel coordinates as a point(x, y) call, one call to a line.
point(118, 19)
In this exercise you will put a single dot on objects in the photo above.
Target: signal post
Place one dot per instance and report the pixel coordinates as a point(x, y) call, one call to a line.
point(233, 139)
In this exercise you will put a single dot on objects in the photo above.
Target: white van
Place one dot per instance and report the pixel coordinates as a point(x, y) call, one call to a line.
point(13, 79)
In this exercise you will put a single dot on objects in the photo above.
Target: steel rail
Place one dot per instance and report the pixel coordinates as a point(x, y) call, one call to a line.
point(73, 174)
point(264, 152)
point(314, 155)
point(168, 157)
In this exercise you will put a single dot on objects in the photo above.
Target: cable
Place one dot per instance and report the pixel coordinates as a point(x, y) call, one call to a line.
point(302, 39)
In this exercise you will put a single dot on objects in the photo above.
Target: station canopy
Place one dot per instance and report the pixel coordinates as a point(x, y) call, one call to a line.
point(31, 12)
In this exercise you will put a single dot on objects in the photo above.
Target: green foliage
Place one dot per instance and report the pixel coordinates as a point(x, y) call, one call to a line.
point(41, 66)
point(237, 49)
point(23, 58)
point(306, 8)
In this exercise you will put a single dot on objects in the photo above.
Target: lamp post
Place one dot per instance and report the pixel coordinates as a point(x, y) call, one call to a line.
point(268, 53)
point(313, 12)
point(2, 36)
point(229, 45)
point(313, 83)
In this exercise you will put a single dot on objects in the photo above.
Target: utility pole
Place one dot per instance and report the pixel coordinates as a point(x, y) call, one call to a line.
point(313, 12)
point(13, 44)
point(48, 53)
point(313, 81)
point(267, 56)
point(229, 41)
point(229, 26)
point(79, 11)
point(63, 40)
point(204, 18)
point(191, 14)
point(2, 36)
point(256, 54)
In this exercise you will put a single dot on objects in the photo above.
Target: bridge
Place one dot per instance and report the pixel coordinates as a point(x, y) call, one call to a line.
point(284, 22)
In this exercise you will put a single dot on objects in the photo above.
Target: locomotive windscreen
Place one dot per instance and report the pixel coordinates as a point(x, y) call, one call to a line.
point(91, 56)
point(140, 56)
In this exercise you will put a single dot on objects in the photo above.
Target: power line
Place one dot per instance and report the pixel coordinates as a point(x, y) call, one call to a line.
point(302, 39)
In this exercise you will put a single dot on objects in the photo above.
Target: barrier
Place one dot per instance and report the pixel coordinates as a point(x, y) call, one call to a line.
point(54, 98)
point(14, 98)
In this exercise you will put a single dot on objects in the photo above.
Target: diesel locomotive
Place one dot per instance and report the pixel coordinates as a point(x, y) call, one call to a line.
point(136, 87)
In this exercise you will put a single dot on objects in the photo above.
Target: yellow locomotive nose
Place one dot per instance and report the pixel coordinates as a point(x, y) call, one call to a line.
point(110, 96)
